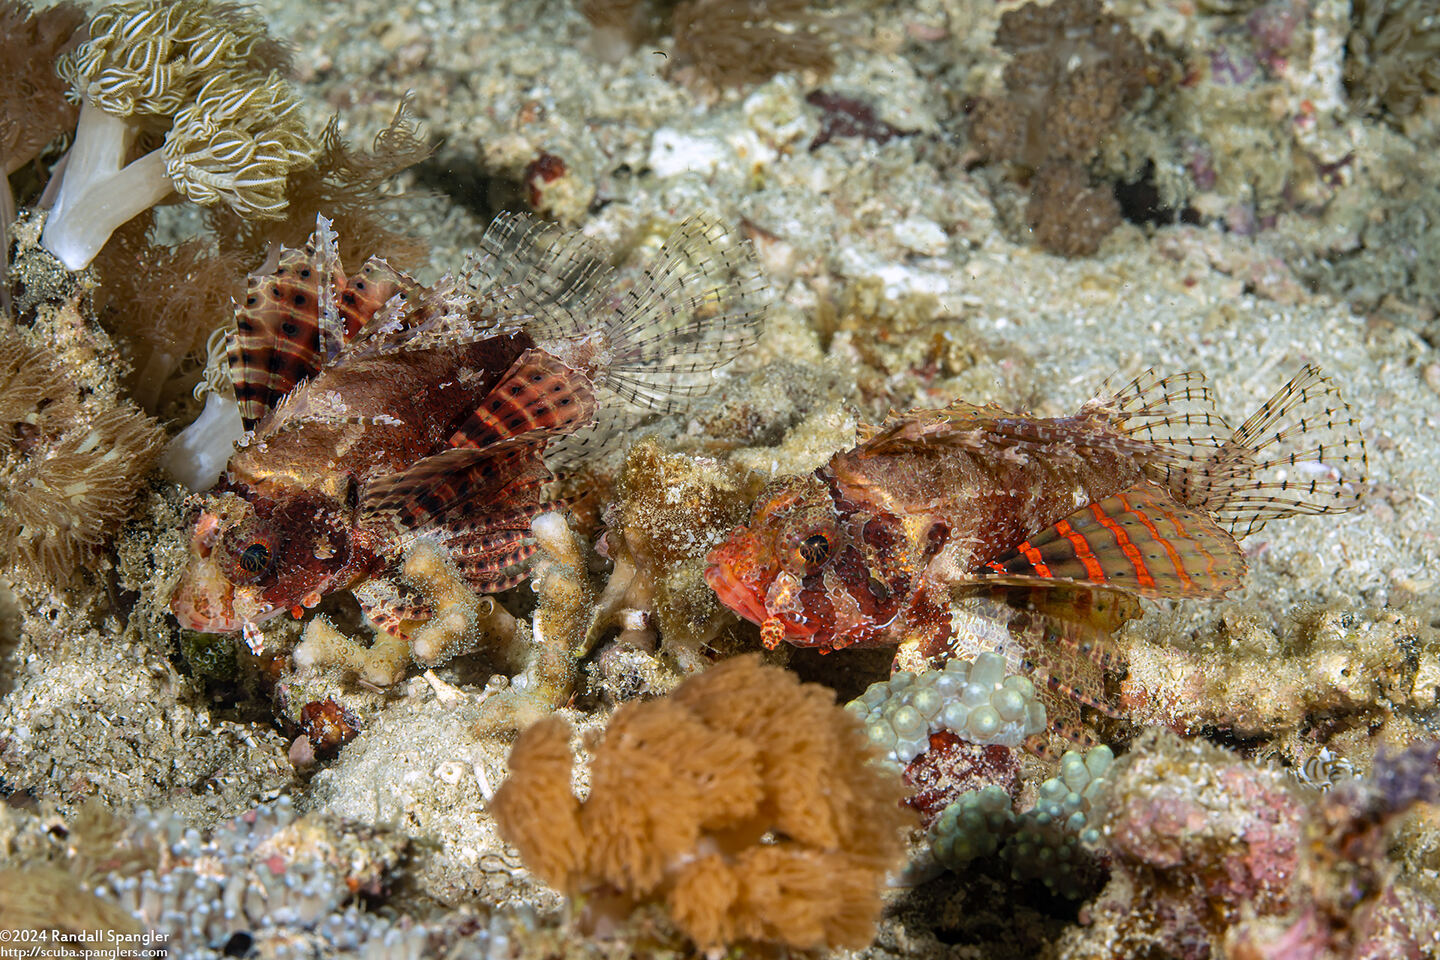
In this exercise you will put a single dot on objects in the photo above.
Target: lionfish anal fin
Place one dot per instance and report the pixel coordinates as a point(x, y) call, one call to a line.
point(539, 394)
point(1140, 541)
point(391, 607)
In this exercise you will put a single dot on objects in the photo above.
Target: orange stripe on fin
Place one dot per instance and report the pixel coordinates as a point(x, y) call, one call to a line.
point(1083, 552)
point(1036, 561)
point(1137, 559)
point(1146, 529)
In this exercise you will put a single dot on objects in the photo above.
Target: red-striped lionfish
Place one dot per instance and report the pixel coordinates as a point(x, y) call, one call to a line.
point(380, 411)
point(947, 527)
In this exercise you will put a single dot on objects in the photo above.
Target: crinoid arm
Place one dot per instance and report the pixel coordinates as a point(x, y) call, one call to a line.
point(1140, 541)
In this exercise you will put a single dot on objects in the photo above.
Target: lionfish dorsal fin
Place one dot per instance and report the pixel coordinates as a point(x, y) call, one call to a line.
point(368, 290)
point(1140, 541)
point(539, 394)
point(284, 326)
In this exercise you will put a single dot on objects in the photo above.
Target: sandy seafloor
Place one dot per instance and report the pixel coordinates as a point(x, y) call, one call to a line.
point(98, 708)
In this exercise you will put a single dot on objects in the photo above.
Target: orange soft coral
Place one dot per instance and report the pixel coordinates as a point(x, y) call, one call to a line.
point(745, 802)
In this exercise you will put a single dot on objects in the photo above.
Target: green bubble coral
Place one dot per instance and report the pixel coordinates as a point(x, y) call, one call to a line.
point(203, 75)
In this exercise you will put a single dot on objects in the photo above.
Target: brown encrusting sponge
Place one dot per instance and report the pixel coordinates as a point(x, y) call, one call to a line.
point(1074, 72)
point(746, 802)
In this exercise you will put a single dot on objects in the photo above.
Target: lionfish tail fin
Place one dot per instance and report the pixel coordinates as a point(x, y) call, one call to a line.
point(692, 311)
point(1301, 453)
point(531, 274)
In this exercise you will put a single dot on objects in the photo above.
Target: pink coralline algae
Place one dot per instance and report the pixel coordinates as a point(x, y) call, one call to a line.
point(1236, 861)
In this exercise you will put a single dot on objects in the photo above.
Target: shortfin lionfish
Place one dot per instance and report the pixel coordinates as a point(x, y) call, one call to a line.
point(952, 531)
point(380, 411)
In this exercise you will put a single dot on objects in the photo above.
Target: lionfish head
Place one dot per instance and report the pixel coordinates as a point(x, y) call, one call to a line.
point(244, 568)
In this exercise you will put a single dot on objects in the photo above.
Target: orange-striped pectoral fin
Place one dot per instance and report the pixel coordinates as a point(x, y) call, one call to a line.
point(539, 393)
point(1141, 541)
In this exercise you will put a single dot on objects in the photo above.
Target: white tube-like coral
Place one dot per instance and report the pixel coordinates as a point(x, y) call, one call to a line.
point(99, 191)
point(198, 454)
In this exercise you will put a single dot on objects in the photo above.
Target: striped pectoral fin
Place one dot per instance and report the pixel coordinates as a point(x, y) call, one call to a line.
point(539, 394)
point(1140, 541)
point(391, 607)
point(431, 493)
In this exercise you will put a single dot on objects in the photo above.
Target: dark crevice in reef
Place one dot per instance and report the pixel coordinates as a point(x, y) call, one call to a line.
point(1140, 202)
point(465, 180)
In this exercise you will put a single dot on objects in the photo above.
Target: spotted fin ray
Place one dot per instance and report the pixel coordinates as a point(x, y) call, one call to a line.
point(539, 395)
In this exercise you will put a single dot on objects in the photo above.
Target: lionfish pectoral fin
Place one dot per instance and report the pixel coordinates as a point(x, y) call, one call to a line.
point(358, 304)
point(278, 336)
point(1140, 541)
point(539, 394)
point(391, 607)
point(493, 550)
point(426, 495)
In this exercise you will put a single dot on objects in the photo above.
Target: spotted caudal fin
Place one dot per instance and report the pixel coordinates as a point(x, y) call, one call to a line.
point(539, 395)
point(1140, 541)
point(695, 308)
point(1300, 453)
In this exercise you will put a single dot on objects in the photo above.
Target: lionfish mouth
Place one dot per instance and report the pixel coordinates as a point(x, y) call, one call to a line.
point(725, 574)
point(204, 608)
point(206, 602)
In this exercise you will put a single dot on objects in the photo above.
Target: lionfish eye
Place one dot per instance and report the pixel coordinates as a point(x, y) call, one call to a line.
point(814, 549)
point(255, 558)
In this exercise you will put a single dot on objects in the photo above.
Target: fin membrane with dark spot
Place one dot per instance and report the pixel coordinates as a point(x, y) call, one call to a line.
point(539, 395)
point(424, 496)
point(277, 335)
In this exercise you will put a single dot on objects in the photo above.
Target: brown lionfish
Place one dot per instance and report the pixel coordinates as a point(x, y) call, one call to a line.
point(380, 411)
point(961, 527)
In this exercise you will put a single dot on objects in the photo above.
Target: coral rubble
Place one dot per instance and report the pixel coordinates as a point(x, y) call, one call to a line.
point(1074, 71)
